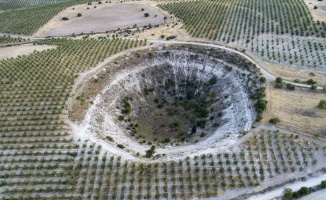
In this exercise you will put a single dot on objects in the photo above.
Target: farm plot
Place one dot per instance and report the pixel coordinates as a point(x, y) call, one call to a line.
point(267, 157)
point(295, 39)
point(28, 21)
point(103, 176)
point(18, 4)
point(105, 17)
point(286, 155)
point(37, 153)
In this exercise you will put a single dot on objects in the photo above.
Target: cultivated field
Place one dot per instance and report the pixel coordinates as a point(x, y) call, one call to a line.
point(182, 103)
point(19, 4)
point(295, 39)
point(28, 21)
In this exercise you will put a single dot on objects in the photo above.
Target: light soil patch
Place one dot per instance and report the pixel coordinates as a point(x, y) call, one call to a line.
point(320, 13)
point(296, 109)
point(105, 17)
point(14, 51)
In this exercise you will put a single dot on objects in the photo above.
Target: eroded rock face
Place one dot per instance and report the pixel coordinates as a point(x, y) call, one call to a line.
point(174, 97)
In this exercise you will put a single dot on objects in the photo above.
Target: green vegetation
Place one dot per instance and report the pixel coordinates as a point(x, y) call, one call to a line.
point(274, 120)
point(311, 82)
point(65, 18)
point(278, 82)
point(322, 104)
point(313, 87)
point(288, 193)
point(7, 40)
point(290, 86)
point(126, 105)
point(79, 15)
point(150, 152)
point(146, 14)
point(303, 191)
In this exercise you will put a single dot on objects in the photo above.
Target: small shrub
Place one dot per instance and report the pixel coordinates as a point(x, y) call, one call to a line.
point(65, 18)
point(315, 7)
point(150, 152)
point(311, 82)
point(262, 79)
point(274, 120)
point(322, 104)
point(290, 86)
point(146, 15)
point(162, 36)
point(323, 184)
point(120, 146)
point(313, 87)
point(288, 193)
point(79, 15)
point(279, 80)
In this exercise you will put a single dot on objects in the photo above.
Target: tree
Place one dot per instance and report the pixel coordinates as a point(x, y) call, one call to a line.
point(279, 82)
point(313, 87)
point(311, 82)
point(288, 193)
point(150, 152)
point(213, 80)
point(304, 191)
point(290, 86)
point(323, 184)
point(146, 15)
point(79, 15)
point(262, 79)
point(322, 104)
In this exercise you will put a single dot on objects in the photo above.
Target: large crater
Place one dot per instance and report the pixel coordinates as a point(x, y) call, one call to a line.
point(181, 99)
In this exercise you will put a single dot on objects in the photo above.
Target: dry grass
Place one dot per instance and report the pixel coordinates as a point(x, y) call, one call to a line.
point(14, 51)
point(317, 14)
point(105, 17)
point(296, 109)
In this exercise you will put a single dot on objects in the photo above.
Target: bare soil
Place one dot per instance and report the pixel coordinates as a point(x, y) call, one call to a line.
point(105, 17)
point(320, 13)
point(14, 51)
